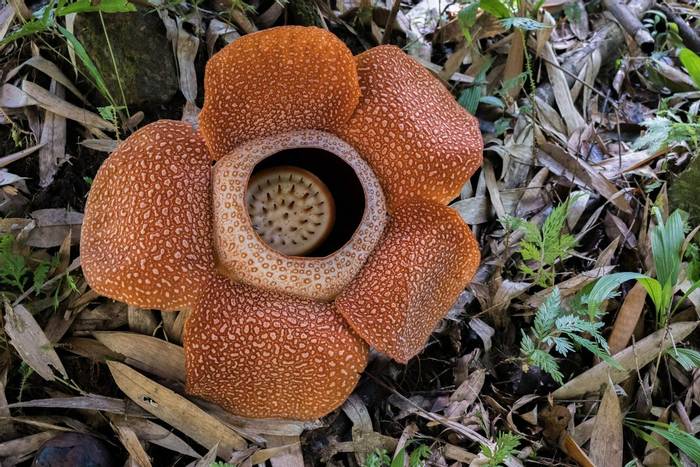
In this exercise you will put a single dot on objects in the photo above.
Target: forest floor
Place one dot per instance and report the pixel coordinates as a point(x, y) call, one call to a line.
point(583, 209)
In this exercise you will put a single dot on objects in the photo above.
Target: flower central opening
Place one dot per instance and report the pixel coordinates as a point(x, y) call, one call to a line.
point(304, 202)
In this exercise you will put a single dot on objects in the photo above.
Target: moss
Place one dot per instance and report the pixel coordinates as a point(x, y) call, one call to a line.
point(304, 12)
point(142, 54)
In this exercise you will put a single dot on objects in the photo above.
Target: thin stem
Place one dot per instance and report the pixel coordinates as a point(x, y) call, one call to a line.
point(114, 63)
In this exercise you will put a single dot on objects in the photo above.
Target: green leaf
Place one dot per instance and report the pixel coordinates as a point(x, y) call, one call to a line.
point(506, 444)
point(597, 351)
point(691, 62)
point(666, 243)
point(689, 359)
point(419, 455)
point(604, 288)
point(399, 458)
point(469, 98)
point(41, 272)
point(105, 6)
point(496, 8)
point(524, 24)
point(87, 61)
point(689, 444)
point(547, 314)
point(492, 101)
point(467, 19)
point(29, 28)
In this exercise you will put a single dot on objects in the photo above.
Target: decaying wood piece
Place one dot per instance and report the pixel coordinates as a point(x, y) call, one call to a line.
point(688, 34)
point(631, 23)
point(608, 40)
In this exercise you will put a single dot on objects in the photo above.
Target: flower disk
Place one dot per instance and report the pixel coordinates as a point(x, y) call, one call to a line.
point(281, 79)
point(244, 257)
point(409, 128)
point(146, 237)
point(422, 263)
point(266, 355)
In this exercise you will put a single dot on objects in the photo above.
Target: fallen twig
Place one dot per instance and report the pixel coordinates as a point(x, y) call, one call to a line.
point(688, 34)
point(629, 20)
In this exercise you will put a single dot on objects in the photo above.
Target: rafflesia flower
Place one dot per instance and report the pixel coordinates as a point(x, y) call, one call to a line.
point(321, 228)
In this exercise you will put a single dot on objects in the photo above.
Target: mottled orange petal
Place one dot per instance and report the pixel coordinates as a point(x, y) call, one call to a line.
point(266, 355)
point(425, 259)
point(146, 237)
point(277, 80)
point(410, 129)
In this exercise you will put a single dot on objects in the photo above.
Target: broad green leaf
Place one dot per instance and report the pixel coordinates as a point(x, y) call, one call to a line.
point(689, 359)
point(691, 62)
point(496, 8)
point(605, 286)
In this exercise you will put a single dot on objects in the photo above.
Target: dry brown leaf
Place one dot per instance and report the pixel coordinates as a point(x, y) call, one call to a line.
point(53, 139)
point(149, 431)
point(31, 343)
point(455, 453)
point(251, 428)
point(542, 36)
point(186, 50)
point(26, 445)
point(562, 94)
point(357, 412)
point(290, 457)
point(101, 145)
point(469, 390)
point(550, 119)
point(55, 104)
point(104, 317)
point(574, 451)
point(90, 348)
point(454, 61)
point(7, 429)
point(627, 318)
point(7, 14)
point(656, 452)
point(52, 226)
point(588, 73)
point(478, 209)
point(49, 68)
point(89, 402)
point(514, 62)
point(12, 97)
point(576, 169)
point(628, 163)
point(173, 325)
point(132, 445)
point(147, 353)
point(141, 320)
point(633, 357)
point(606, 439)
point(176, 411)
point(218, 29)
point(207, 459)
point(493, 189)
point(10, 158)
